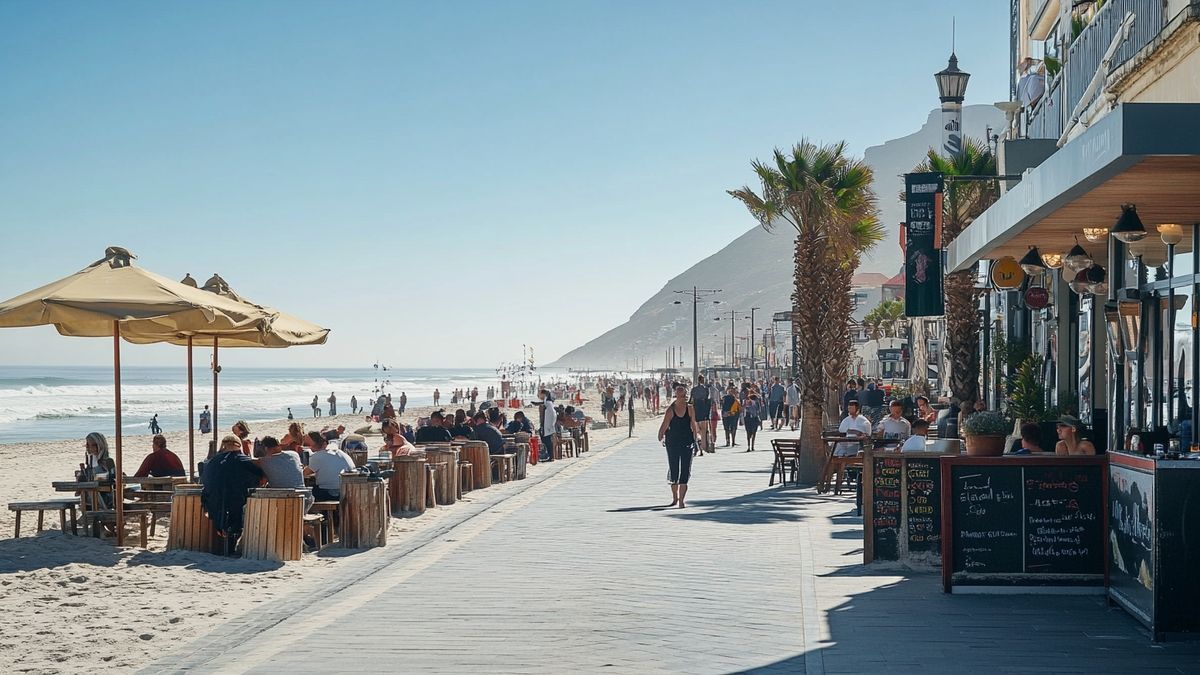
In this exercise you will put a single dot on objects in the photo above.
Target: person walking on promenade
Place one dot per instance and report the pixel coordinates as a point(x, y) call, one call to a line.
point(679, 433)
point(549, 419)
point(752, 418)
point(776, 395)
point(702, 405)
point(731, 411)
point(205, 421)
point(332, 401)
point(632, 412)
point(793, 404)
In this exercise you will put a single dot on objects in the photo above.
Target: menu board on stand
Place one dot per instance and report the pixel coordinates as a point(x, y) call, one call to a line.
point(901, 507)
point(1017, 522)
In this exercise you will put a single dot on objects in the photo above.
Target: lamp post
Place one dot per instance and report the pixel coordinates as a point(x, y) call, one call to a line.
point(732, 335)
point(952, 88)
point(752, 355)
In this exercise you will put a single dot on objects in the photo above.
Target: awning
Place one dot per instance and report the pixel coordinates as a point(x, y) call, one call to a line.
point(1147, 154)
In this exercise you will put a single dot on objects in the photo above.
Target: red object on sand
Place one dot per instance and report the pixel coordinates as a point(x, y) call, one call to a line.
point(534, 449)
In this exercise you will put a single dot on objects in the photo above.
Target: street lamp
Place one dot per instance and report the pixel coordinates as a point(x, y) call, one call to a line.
point(696, 294)
point(752, 355)
point(952, 88)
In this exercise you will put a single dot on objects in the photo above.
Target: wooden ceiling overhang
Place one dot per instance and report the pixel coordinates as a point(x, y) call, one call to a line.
point(1146, 154)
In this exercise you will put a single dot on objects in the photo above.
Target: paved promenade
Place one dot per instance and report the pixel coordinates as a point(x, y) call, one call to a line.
point(586, 571)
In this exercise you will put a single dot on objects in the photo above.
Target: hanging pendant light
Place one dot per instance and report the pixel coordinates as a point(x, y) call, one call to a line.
point(1129, 227)
point(1170, 233)
point(1032, 262)
point(1052, 260)
point(1080, 283)
point(1078, 259)
point(1096, 235)
point(1096, 276)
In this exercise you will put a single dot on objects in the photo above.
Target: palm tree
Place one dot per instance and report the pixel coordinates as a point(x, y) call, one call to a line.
point(826, 197)
point(964, 201)
point(885, 319)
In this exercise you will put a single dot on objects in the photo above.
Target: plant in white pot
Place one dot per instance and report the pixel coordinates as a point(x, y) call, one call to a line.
point(986, 432)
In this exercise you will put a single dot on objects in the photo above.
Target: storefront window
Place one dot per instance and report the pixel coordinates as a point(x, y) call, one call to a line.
point(1085, 359)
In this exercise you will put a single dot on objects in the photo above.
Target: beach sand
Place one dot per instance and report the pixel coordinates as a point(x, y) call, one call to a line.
point(76, 604)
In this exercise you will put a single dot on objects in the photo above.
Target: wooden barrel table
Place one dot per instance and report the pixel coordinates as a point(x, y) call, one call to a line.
point(407, 486)
point(191, 529)
point(359, 457)
point(447, 478)
point(476, 452)
point(364, 511)
point(274, 528)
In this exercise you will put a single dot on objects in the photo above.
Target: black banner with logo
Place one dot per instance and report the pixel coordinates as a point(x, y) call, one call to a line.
point(923, 245)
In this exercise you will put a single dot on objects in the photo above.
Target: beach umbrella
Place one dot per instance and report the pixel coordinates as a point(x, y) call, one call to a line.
point(111, 297)
point(281, 331)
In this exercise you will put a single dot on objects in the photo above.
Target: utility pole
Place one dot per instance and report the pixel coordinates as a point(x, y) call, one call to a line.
point(696, 294)
point(752, 365)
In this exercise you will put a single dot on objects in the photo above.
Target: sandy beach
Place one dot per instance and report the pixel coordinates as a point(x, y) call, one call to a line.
point(76, 604)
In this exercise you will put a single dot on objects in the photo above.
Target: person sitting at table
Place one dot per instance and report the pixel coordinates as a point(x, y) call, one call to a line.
point(1031, 440)
point(283, 469)
point(462, 427)
point(394, 441)
point(924, 411)
point(97, 464)
point(161, 461)
point(1070, 439)
point(434, 432)
point(916, 442)
point(488, 433)
point(227, 479)
point(519, 424)
point(854, 426)
point(894, 426)
point(242, 431)
point(326, 465)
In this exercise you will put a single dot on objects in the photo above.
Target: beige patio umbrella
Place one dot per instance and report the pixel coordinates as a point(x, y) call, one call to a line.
point(111, 297)
point(283, 330)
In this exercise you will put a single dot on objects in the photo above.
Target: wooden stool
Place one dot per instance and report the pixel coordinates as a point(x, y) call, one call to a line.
point(503, 467)
point(99, 518)
point(60, 505)
point(476, 453)
point(328, 510)
point(313, 526)
point(564, 447)
point(466, 477)
point(447, 475)
point(432, 469)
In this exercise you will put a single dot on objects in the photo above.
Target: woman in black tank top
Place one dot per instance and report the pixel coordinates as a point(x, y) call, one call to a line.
point(679, 431)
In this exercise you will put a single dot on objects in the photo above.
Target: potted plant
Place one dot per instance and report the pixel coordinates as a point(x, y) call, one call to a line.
point(986, 432)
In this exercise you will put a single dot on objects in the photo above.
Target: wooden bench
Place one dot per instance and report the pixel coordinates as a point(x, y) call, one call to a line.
point(99, 518)
point(563, 446)
point(328, 512)
point(60, 505)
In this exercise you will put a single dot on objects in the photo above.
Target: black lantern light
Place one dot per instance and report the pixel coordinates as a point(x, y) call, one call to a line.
point(1078, 259)
point(952, 82)
point(1129, 227)
point(1032, 262)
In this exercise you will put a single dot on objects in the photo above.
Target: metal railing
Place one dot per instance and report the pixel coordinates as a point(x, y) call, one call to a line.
point(1084, 55)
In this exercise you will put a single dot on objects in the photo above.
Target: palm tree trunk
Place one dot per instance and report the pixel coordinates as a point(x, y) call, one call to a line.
point(962, 336)
point(812, 448)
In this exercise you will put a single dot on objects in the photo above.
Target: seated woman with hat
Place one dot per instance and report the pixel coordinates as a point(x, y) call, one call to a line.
point(1070, 440)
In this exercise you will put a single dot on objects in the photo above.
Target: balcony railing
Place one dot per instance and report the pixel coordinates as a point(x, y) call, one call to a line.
point(1083, 57)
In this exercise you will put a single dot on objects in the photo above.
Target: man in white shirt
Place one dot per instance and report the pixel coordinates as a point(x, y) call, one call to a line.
point(326, 464)
point(916, 442)
point(793, 403)
point(549, 421)
point(894, 426)
point(854, 426)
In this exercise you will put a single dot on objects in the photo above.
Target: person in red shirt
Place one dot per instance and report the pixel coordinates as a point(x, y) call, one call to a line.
point(161, 461)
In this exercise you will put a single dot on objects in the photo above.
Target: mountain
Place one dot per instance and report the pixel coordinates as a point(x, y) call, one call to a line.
point(659, 324)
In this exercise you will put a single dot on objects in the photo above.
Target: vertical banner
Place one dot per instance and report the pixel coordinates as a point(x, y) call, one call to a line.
point(923, 250)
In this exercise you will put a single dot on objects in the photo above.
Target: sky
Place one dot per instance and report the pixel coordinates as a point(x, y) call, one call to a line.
point(438, 183)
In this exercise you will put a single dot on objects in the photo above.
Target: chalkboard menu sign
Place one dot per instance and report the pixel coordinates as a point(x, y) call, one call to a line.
point(987, 518)
point(885, 506)
point(1131, 510)
point(1022, 521)
point(923, 501)
point(1064, 519)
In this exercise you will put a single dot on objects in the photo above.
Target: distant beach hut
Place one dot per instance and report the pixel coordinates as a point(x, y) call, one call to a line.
point(113, 298)
point(282, 330)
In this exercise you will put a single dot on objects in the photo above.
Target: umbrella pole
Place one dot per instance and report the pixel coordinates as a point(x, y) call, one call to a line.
point(191, 417)
point(216, 375)
point(119, 487)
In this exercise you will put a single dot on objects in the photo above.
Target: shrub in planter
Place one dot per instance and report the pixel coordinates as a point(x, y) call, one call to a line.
point(985, 433)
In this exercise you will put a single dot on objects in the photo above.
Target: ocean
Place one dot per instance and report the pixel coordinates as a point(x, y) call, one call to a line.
point(61, 403)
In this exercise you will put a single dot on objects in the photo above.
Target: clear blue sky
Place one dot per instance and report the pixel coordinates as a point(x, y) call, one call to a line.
point(439, 183)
